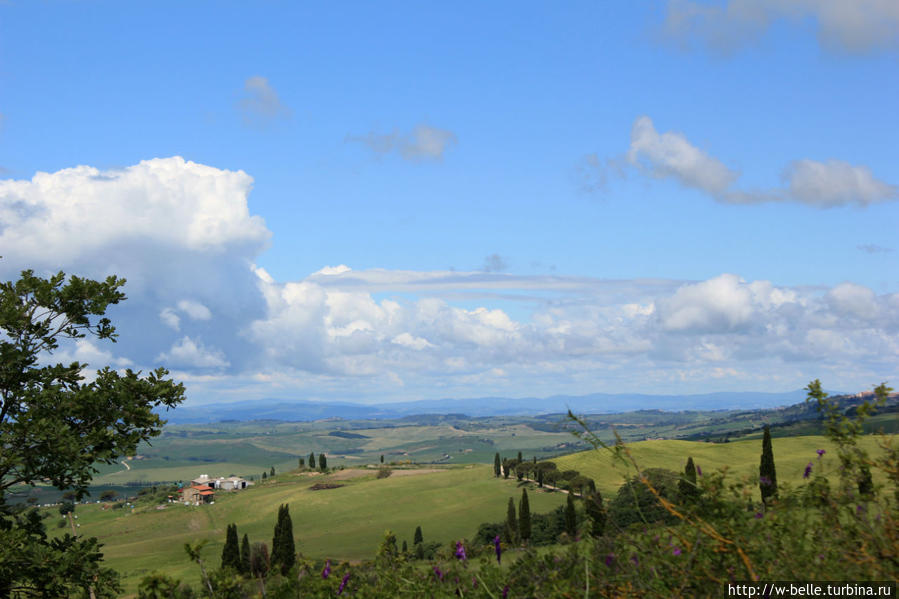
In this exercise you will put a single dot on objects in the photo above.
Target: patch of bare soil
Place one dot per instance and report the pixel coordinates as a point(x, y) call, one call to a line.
point(349, 473)
point(415, 471)
point(323, 486)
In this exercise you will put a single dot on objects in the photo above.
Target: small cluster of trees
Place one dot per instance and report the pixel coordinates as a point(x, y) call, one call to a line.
point(544, 473)
point(253, 561)
point(420, 549)
point(322, 462)
point(521, 527)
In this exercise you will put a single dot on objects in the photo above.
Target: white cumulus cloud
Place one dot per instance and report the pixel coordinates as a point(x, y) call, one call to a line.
point(187, 352)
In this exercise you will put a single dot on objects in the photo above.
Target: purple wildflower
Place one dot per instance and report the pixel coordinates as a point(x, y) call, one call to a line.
point(610, 558)
point(635, 561)
point(346, 578)
point(498, 548)
point(505, 591)
point(438, 573)
point(821, 452)
point(327, 571)
point(759, 515)
point(474, 582)
point(676, 551)
point(460, 551)
point(808, 470)
point(698, 470)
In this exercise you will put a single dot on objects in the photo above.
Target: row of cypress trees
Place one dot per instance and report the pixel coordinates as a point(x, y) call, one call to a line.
point(255, 560)
point(322, 461)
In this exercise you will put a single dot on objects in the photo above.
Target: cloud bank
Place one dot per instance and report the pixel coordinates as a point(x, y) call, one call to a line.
point(184, 237)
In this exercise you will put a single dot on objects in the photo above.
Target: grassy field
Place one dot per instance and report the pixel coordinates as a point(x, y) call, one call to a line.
point(741, 458)
point(248, 449)
point(346, 523)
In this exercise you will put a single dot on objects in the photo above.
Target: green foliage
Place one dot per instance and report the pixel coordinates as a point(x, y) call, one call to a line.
point(283, 545)
point(54, 427)
point(636, 502)
point(511, 532)
point(524, 517)
point(596, 513)
point(570, 517)
point(245, 556)
point(260, 563)
point(767, 472)
point(231, 550)
point(158, 586)
point(686, 487)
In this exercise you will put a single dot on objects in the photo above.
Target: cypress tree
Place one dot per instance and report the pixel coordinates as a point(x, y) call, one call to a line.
point(540, 478)
point(231, 550)
point(767, 474)
point(283, 546)
point(382, 458)
point(496, 465)
point(272, 473)
point(506, 468)
point(519, 457)
point(245, 555)
point(322, 462)
point(276, 539)
point(405, 547)
point(418, 538)
point(264, 476)
point(687, 485)
point(597, 514)
point(524, 517)
point(312, 460)
point(511, 522)
point(570, 517)
point(865, 482)
point(302, 462)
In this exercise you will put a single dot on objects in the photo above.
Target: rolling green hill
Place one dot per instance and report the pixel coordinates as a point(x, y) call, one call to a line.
point(791, 454)
point(345, 523)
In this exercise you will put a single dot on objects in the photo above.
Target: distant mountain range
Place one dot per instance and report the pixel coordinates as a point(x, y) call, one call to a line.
point(595, 403)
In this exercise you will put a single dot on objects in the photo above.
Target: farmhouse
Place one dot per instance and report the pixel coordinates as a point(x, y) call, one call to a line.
point(197, 494)
point(202, 489)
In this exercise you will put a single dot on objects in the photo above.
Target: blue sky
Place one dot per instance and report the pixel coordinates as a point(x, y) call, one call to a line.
point(507, 199)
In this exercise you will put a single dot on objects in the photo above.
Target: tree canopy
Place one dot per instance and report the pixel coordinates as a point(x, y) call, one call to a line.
point(55, 425)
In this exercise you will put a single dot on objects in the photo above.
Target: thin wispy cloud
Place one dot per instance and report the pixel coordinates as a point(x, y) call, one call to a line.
point(422, 143)
point(495, 263)
point(261, 105)
point(670, 155)
point(873, 248)
point(856, 26)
